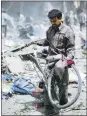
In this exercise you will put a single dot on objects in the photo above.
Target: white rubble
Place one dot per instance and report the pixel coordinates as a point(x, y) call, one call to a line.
point(15, 64)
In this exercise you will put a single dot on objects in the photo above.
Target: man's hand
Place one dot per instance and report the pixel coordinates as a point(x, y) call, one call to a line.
point(70, 57)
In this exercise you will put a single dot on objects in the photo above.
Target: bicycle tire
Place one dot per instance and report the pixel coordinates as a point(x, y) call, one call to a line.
point(55, 103)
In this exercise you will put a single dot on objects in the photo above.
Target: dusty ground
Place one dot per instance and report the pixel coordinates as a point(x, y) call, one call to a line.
point(22, 105)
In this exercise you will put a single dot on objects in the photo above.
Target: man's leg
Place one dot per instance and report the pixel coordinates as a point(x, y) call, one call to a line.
point(80, 26)
point(62, 80)
point(63, 90)
point(83, 26)
point(5, 30)
point(49, 109)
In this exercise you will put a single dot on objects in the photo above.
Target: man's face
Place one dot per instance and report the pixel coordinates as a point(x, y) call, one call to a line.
point(55, 21)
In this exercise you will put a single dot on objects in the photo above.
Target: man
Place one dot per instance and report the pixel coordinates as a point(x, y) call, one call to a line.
point(71, 15)
point(59, 38)
point(82, 20)
point(67, 19)
point(4, 23)
point(5, 19)
point(21, 19)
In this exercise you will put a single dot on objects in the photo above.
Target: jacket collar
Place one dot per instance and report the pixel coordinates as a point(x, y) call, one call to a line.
point(61, 26)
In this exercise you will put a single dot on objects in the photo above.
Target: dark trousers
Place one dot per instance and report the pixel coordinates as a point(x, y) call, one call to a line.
point(4, 30)
point(63, 94)
point(81, 26)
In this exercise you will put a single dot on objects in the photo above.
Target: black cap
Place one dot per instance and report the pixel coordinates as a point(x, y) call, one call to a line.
point(55, 13)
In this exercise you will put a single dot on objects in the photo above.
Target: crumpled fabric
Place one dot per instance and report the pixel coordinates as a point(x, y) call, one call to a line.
point(60, 68)
point(22, 86)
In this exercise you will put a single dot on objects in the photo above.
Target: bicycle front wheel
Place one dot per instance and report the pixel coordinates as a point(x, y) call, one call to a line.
point(55, 102)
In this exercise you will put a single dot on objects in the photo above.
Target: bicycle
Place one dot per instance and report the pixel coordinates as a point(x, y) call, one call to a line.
point(48, 77)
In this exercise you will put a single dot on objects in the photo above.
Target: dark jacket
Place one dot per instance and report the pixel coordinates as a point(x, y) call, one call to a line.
point(63, 40)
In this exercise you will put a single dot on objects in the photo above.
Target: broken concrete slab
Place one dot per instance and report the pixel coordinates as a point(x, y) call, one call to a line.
point(15, 64)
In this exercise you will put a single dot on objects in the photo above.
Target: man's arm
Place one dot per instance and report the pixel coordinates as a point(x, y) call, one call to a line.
point(70, 47)
point(42, 42)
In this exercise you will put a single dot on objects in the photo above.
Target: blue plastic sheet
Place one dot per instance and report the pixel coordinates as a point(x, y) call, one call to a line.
point(22, 86)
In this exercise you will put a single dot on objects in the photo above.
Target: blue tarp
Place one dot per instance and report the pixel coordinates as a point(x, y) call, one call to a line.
point(22, 86)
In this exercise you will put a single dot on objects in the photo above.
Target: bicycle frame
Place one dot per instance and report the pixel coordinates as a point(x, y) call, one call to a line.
point(34, 60)
point(47, 82)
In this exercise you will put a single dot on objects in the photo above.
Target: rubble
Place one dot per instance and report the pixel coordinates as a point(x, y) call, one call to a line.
point(19, 66)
